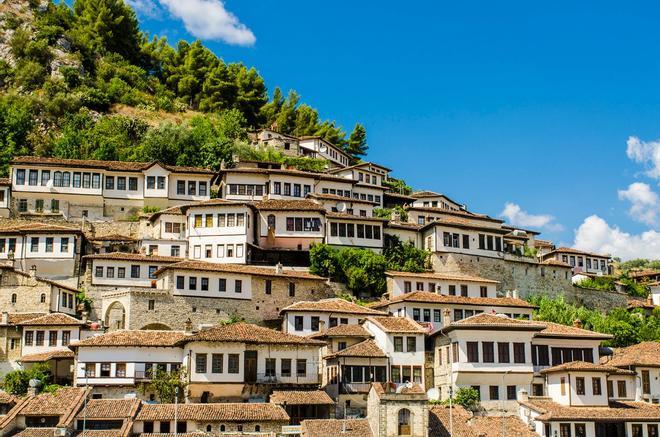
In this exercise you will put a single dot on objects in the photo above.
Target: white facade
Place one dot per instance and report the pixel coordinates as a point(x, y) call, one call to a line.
point(399, 284)
point(41, 339)
point(354, 231)
point(121, 273)
point(219, 233)
point(207, 284)
point(324, 149)
point(305, 323)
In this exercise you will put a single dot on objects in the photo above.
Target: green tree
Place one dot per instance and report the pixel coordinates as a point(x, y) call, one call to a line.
point(17, 382)
point(357, 143)
point(16, 124)
point(251, 94)
point(167, 385)
point(467, 397)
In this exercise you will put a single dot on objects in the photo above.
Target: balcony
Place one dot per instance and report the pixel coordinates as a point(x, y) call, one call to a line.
point(141, 375)
point(355, 387)
point(267, 378)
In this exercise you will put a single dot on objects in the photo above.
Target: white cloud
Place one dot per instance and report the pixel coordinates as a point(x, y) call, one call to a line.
point(516, 216)
point(148, 8)
point(647, 153)
point(209, 20)
point(596, 235)
point(644, 202)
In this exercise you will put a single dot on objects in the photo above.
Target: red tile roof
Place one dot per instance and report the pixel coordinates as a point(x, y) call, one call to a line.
point(582, 366)
point(439, 422)
point(494, 321)
point(576, 251)
point(52, 319)
point(440, 276)
point(349, 330)
point(238, 269)
point(332, 305)
point(105, 165)
point(367, 349)
point(109, 409)
point(30, 227)
point(335, 428)
point(47, 356)
point(137, 257)
point(301, 397)
point(556, 330)
point(491, 426)
point(620, 411)
point(16, 318)
point(134, 338)
point(645, 354)
point(288, 205)
point(397, 324)
point(64, 402)
point(253, 334)
point(428, 297)
point(220, 412)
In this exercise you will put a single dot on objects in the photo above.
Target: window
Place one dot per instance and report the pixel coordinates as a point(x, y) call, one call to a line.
point(579, 385)
point(20, 177)
point(165, 427)
point(411, 344)
point(216, 363)
point(298, 323)
point(120, 370)
point(518, 352)
point(511, 392)
point(202, 188)
point(464, 290)
point(200, 363)
point(596, 386)
point(287, 189)
point(407, 287)
point(132, 184)
point(488, 351)
point(52, 338)
point(22, 205)
point(205, 284)
point(40, 338)
point(238, 286)
point(192, 283)
point(637, 430)
point(105, 370)
point(285, 367)
point(232, 363)
point(620, 385)
point(398, 344)
point(33, 177)
point(503, 353)
point(29, 335)
point(39, 205)
point(54, 206)
point(208, 220)
point(135, 271)
point(652, 430)
point(175, 250)
point(181, 187)
point(437, 316)
point(646, 382)
point(121, 182)
point(151, 304)
point(494, 392)
point(452, 290)
point(292, 289)
point(180, 282)
point(483, 291)
point(34, 244)
point(315, 323)
point(270, 366)
point(96, 180)
point(268, 286)
point(562, 384)
point(473, 351)
point(98, 272)
point(90, 370)
point(301, 367)
point(121, 272)
point(427, 315)
point(161, 182)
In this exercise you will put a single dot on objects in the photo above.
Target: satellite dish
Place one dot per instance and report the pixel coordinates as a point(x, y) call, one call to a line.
point(433, 394)
point(34, 383)
point(341, 207)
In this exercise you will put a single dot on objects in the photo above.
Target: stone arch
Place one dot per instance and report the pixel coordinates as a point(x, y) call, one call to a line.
point(156, 327)
point(115, 316)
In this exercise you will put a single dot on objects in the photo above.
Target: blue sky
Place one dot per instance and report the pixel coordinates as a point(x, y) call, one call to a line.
point(528, 103)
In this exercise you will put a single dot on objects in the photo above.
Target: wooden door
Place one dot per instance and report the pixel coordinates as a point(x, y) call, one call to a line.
point(250, 366)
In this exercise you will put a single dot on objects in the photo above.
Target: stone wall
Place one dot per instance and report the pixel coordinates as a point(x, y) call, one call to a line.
point(28, 292)
point(525, 276)
point(383, 413)
point(170, 311)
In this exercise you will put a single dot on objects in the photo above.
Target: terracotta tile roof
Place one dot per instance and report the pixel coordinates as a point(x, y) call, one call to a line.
point(286, 172)
point(451, 213)
point(439, 422)
point(332, 305)
point(64, 402)
point(137, 257)
point(440, 276)
point(105, 165)
point(29, 227)
point(555, 262)
point(112, 237)
point(253, 334)
point(622, 411)
point(359, 165)
point(494, 321)
point(131, 338)
point(367, 349)
point(16, 318)
point(403, 225)
point(556, 330)
point(301, 397)
point(336, 427)
point(399, 196)
point(397, 324)
point(109, 409)
point(52, 319)
point(5, 181)
point(576, 251)
point(36, 432)
point(47, 356)
point(428, 297)
point(173, 210)
point(491, 426)
point(288, 205)
point(102, 433)
point(646, 353)
point(539, 242)
point(6, 398)
point(224, 412)
point(357, 218)
point(238, 269)
point(348, 330)
point(643, 273)
point(636, 303)
point(425, 193)
point(582, 366)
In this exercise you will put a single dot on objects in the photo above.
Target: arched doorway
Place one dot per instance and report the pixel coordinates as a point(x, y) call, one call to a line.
point(156, 327)
point(405, 422)
point(115, 316)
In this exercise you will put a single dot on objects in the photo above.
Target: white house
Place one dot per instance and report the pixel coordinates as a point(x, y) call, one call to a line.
point(5, 197)
point(399, 283)
point(430, 199)
point(165, 233)
point(324, 149)
point(125, 270)
point(344, 229)
point(309, 317)
point(581, 261)
point(644, 360)
point(289, 224)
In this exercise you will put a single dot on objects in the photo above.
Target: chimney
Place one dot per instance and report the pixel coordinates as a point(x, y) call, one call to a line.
point(446, 317)
point(507, 293)
point(395, 216)
point(33, 271)
point(577, 323)
point(188, 327)
point(649, 300)
point(278, 268)
point(523, 396)
point(5, 318)
point(515, 294)
point(85, 315)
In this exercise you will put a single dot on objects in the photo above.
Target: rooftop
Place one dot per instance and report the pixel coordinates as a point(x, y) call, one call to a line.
point(346, 330)
point(301, 397)
point(249, 333)
point(494, 321)
point(16, 318)
point(367, 349)
point(224, 412)
point(646, 353)
point(52, 319)
point(557, 330)
point(628, 411)
point(582, 366)
point(110, 409)
point(47, 356)
point(439, 422)
point(336, 427)
point(138, 257)
point(105, 165)
point(288, 205)
point(397, 324)
point(440, 276)
point(134, 338)
point(428, 297)
point(332, 305)
point(576, 252)
point(204, 266)
point(491, 426)
point(30, 227)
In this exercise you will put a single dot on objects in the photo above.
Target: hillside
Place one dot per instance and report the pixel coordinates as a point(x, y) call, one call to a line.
point(85, 82)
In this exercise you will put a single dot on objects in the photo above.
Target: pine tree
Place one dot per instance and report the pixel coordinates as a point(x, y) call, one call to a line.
point(357, 142)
